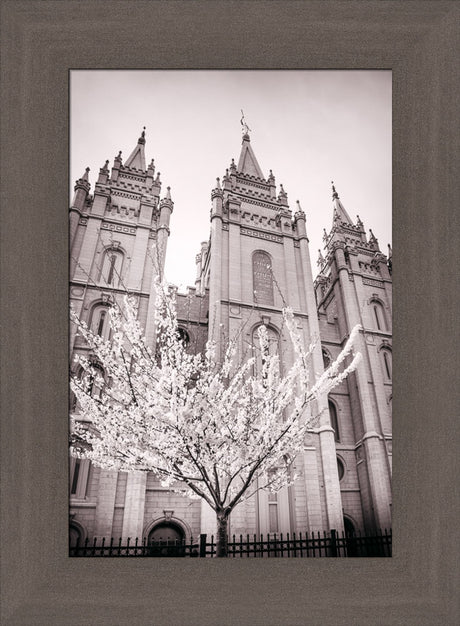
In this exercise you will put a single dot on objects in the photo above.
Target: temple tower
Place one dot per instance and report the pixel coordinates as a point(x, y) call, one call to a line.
point(354, 287)
point(257, 261)
point(118, 238)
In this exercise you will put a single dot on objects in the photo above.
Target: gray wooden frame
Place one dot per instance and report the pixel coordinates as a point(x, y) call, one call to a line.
point(41, 40)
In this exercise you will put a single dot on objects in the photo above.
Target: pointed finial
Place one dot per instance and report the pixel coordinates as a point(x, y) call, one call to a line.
point(320, 262)
point(85, 175)
point(245, 128)
point(158, 177)
point(142, 137)
point(324, 234)
point(390, 252)
point(168, 193)
point(334, 193)
point(218, 183)
point(299, 208)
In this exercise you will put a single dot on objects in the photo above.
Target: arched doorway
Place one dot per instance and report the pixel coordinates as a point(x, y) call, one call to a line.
point(350, 533)
point(77, 536)
point(166, 539)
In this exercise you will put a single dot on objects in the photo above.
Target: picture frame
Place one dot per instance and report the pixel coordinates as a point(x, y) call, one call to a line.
point(41, 42)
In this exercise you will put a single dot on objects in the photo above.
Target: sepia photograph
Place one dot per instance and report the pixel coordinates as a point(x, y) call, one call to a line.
point(231, 313)
point(198, 377)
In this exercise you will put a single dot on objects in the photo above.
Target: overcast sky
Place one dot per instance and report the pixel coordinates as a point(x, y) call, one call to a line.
point(309, 127)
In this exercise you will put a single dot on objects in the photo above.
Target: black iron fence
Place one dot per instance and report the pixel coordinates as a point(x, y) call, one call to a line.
point(295, 545)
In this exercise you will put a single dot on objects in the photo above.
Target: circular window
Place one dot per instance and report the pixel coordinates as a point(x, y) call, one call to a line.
point(183, 337)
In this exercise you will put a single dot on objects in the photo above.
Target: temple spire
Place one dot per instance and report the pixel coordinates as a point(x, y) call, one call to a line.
point(246, 128)
point(247, 163)
point(136, 159)
point(340, 213)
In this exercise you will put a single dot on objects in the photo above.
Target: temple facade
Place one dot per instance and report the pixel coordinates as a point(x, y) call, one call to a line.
point(256, 260)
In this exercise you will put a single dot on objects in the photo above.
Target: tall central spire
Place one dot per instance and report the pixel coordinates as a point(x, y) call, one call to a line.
point(246, 128)
point(136, 159)
point(340, 212)
point(247, 163)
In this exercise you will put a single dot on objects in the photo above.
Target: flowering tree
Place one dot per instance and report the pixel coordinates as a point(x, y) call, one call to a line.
point(216, 430)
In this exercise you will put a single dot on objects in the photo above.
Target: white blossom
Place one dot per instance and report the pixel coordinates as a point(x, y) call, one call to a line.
point(208, 429)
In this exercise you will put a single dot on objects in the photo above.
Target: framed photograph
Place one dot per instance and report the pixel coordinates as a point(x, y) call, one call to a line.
point(42, 43)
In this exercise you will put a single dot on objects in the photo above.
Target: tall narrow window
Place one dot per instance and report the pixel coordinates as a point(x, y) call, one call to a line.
point(79, 473)
point(273, 347)
point(340, 468)
point(112, 261)
point(377, 319)
point(262, 278)
point(272, 509)
point(100, 323)
point(334, 420)
point(100, 326)
point(273, 517)
point(94, 383)
point(76, 472)
point(112, 265)
point(387, 363)
point(379, 315)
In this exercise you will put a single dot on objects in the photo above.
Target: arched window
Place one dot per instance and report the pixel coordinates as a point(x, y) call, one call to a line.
point(112, 265)
point(378, 315)
point(94, 384)
point(386, 361)
point(262, 277)
point(273, 346)
point(326, 358)
point(334, 420)
point(100, 323)
point(79, 473)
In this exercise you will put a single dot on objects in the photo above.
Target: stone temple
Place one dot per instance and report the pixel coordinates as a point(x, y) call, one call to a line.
point(256, 258)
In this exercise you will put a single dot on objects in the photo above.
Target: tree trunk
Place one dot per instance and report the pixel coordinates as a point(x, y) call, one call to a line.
point(222, 537)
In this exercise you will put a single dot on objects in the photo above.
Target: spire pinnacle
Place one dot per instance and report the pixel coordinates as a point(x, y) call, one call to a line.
point(136, 159)
point(320, 262)
point(340, 214)
point(334, 192)
point(141, 139)
point(245, 128)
